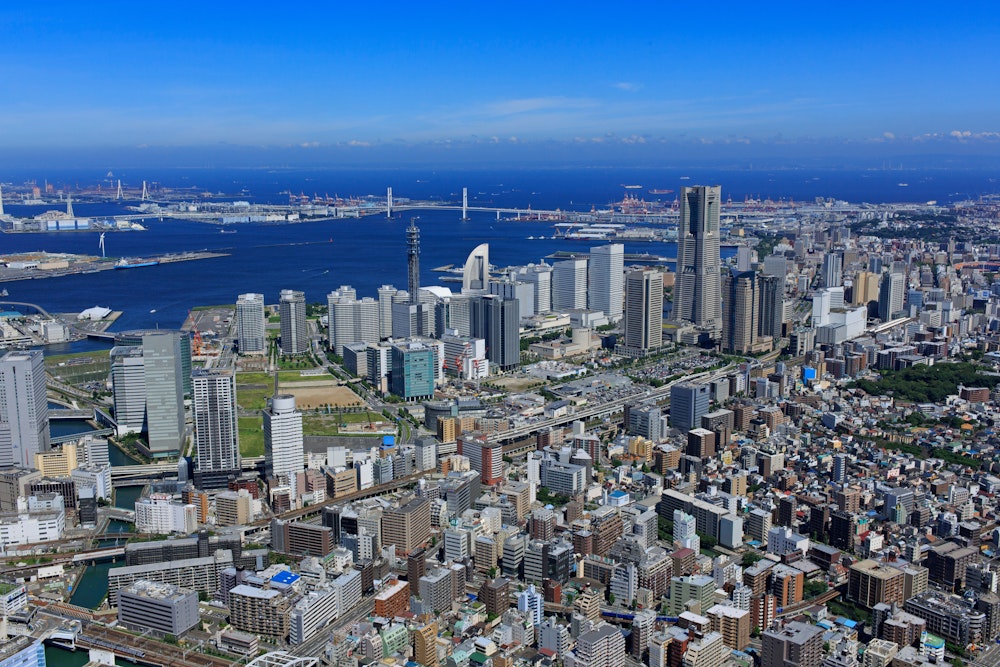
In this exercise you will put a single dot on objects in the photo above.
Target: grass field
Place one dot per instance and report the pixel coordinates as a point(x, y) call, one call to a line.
point(328, 424)
point(251, 436)
point(81, 367)
point(283, 377)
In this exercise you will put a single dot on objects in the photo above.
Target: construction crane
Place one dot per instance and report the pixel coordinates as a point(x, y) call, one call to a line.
point(197, 345)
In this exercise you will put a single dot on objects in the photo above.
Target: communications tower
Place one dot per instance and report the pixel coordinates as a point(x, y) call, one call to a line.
point(413, 259)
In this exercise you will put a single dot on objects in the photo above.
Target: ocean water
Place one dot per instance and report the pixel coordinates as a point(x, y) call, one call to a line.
point(317, 257)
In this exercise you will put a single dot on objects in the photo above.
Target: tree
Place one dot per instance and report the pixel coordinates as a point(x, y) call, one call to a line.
point(611, 598)
point(750, 558)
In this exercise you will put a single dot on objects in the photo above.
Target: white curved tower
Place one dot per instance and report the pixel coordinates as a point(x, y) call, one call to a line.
point(476, 275)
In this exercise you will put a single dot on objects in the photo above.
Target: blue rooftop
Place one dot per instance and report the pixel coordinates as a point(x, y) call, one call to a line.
point(388, 441)
point(846, 622)
point(618, 493)
point(286, 578)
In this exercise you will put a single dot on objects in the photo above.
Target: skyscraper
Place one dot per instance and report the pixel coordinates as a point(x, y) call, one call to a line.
point(772, 305)
point(163, 360)
point(498, 322)
point(352, 320)
point(216, 432)
point(385, 299)
point(698, 292)
point(688, 402)
point(250, 336)
point(607, 273)
point(890, 296)
point(644, 310)
point(476, 273)
point(284, 456)
point(569, 285)
point(24, 409)
point(739, 311)
point(540, 276)
point(833, 275)
point(294, 334)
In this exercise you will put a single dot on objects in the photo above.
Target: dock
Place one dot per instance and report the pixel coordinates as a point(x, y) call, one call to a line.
point(82, 267)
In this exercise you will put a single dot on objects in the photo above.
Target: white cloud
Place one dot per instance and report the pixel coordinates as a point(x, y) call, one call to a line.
point(628, 86)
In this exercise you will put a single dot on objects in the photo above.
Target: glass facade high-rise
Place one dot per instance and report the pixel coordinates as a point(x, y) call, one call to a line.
point(24, 409)
point(294, 334)
point(606, 278)
point(698, 291)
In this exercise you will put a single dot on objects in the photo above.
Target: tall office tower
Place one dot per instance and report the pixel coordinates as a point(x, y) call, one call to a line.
point(24, 409)
point(294, 334)
point(163, 372)
point(607, 275)
point(128, 382)
point(452, 313)
point(833, 273)
point(890, 296)
point(540, 276)
point(772, 305)
point(698, 291)
point(413, 260)
point(497, 321)
point(508, 287)
point(476, 274)
point(739, 311)
point(216, 432)
point(688, 402)
point(284, 456)
point(644, 310)
point(136, 338)
point(385, 298)
point(250, 336)
point(569, 285)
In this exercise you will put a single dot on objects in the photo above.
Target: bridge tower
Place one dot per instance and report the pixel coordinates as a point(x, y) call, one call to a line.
point(69, 206)
point(465, 204)
point(145, 191)
point(1, 201)
point(388, 203)
point(120, 194)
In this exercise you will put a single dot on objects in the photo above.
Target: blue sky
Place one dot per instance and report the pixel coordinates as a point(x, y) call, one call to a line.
point(423, 74)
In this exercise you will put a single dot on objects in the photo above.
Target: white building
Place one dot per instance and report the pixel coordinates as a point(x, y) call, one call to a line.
point(312, 612)
point(607, 279)
point(28, 527)
point(532, 603)
point(24, 409)
point(250, 335)
point(160, 514)
point(216, 430)
point(781, 540)
point(284, 455)
point(464, 356)
point(569, 285)
point(97, 477)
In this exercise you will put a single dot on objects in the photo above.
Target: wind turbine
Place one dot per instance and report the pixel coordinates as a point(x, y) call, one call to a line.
point(102, 245)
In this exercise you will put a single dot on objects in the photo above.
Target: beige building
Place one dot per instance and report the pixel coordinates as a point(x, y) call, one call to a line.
point(733, 624)
point(408, 526)
point(233, 508)
point(57, 463)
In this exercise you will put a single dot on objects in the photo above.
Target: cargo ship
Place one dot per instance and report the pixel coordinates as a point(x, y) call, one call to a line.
point(125, 263)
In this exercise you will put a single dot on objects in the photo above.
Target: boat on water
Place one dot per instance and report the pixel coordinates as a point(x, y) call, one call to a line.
point(228, 231)
point(632, 187)
point(660, 191)
point(125, 263)
point(4, 293)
